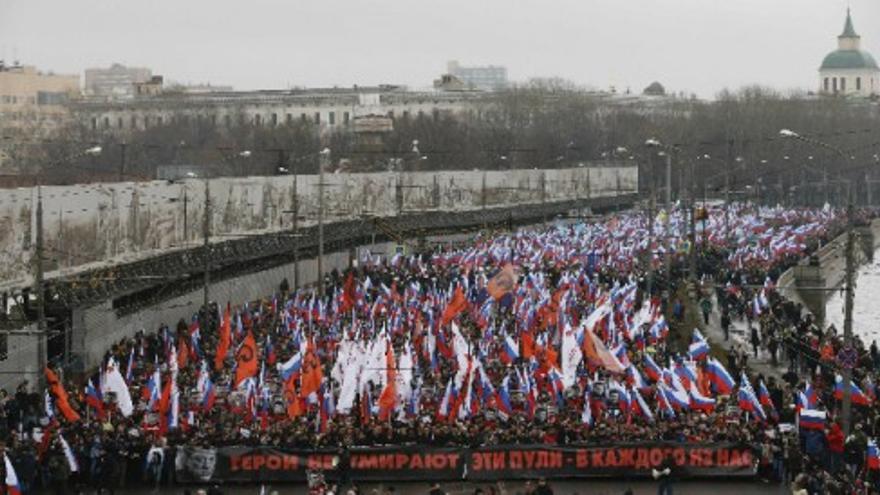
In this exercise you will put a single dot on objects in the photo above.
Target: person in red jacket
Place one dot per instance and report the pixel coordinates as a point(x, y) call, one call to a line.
point(834, 437)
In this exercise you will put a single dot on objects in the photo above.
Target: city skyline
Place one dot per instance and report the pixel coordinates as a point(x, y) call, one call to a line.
point(687, 45)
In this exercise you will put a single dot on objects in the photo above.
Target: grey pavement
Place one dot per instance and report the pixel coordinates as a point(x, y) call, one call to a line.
point(739, 338)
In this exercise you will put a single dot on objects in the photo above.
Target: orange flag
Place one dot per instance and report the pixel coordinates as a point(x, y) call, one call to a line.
point(598, 354)
point(224, 341)
point(312, 373)
point(294, 403)
point(502, 283)
point(388, 399)
point(182, 353)
point(246, 357)
point(61, 399)
point(456, 305)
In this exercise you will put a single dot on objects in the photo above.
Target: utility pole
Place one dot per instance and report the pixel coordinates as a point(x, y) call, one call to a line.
point(730, 161)
point(206, 233)
point(324, 157)
point(848, 312)
point(185, 216)
point(295, 207)
point(39, 285)
point(122, 156)
point(650, 251)
point(667, 255)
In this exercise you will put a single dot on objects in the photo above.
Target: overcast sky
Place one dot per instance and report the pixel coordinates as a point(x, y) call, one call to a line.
point(697, 46)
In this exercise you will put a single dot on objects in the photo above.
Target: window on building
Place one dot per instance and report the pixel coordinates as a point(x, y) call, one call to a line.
point(214, 120)
point(421, 114)
point(146, 121)
point(227, 121)
point(257, 120)
point(405, 114)
point(317, 117)
point(119, 122)
point(435, 114)
point(346, 118)
point(834, 84)
point(106, 122)
point(331, 118)
point(274, 119)
point(134, 121)
point(94, 123)
point(289, 119)
point(826, 85)
point(303, 118)
point(391, 114)
point(842, 84)
point(159, 120)
point(858, 84)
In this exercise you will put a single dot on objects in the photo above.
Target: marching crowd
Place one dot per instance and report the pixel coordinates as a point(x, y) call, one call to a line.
point(533, 337)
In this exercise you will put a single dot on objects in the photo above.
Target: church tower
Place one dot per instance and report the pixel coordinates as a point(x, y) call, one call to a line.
point(849, 71)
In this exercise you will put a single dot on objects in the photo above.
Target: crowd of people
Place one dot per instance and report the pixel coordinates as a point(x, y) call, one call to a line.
point(540, 336)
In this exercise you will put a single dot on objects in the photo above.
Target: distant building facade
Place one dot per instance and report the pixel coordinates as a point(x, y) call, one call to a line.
point(330, 108)
point(116, 81)
point(488, 78)
point(34, 101)
point(849, 70)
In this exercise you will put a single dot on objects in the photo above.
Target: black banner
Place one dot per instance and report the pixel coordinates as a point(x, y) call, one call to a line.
point(611, 460)
point(250, 464)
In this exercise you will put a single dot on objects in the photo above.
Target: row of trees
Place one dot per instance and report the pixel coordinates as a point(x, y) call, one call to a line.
point(539, 125)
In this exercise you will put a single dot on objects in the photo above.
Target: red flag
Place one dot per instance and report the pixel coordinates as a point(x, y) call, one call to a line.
point(246, 357)
point(348, 294)
point(455, 306)
point(182, 353)
point(165, 398)
point(61, 398)
point(224, 341)
point(388, 399)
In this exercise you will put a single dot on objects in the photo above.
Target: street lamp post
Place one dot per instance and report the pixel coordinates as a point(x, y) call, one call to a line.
point(667, 258)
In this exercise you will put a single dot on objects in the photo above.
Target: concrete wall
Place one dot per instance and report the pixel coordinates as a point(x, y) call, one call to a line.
point(830, 272)
point(21, 361)
point(104, 224)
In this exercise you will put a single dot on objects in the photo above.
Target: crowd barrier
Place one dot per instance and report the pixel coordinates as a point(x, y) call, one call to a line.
point(509, 462)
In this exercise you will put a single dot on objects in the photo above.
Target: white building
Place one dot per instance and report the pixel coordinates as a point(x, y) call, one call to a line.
point(115, 81)
point(849, 71)
point(488, 78)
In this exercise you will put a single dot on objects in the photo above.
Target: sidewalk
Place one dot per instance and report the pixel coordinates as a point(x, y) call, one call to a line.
point(739, 337)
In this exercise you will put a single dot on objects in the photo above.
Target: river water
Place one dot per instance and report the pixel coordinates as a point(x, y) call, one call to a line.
point(866, 310)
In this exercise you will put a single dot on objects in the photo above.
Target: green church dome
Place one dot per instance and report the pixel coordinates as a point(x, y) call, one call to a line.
point(848, 59)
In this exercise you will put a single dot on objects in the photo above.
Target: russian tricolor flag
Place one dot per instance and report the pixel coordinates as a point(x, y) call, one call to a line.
point(720, 378)
point(651, 369)
point(152, 390)
point(510, 351)
point(812, 419)
point(701, 402)
point(699, 348)
point(12, 485)
point(873, 456)
point(503, 401)
point(640, 407)
point(810, 395)
point(858, 397)
point(292, 366)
